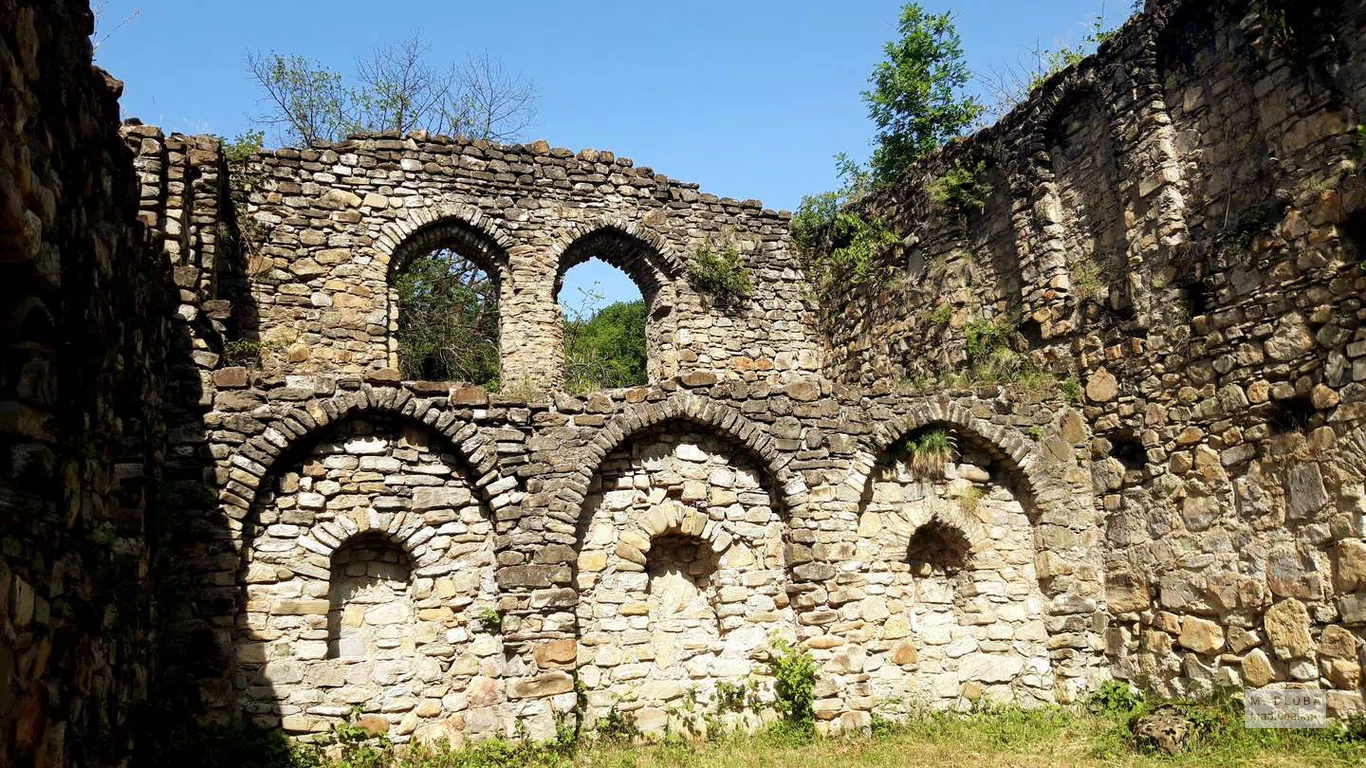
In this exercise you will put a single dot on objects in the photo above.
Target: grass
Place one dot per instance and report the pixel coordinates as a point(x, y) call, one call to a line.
point(1048, 737)
point(1040, 738)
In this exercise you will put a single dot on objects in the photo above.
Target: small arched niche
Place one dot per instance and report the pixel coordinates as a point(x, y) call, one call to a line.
point(632, 323)
point(681, 593)
point(445, 284)
point(370, 610)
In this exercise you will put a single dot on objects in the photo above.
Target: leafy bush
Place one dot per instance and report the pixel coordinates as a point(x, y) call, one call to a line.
point(617, 725)
point(1115, 698)
point(794, 680)
point(961, 188)
point(606, 349)
point(720, 273)
point(837, 247)
point(916, 99)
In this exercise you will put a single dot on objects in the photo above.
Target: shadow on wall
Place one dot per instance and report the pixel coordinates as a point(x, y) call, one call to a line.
point(188, 532)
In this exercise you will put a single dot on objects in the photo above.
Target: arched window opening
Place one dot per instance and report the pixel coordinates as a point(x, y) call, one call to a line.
point(444, 305)
point(447, 320)
point(614, 336)
point(369, 605)
point(605, 319)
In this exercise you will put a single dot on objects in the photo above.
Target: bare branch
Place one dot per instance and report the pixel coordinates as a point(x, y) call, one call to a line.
point(400, 91)
point(491, 103)
point(99, 38)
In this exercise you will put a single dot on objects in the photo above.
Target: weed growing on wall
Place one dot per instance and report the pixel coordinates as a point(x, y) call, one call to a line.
point(794, 680)
point(926, 453)
point(720, 273)
point(491, 620)
point(961, 189)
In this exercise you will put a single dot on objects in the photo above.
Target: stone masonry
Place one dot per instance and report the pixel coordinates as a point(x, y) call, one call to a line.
point(237, 508)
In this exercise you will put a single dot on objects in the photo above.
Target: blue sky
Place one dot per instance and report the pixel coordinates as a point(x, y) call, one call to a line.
point(750, 98)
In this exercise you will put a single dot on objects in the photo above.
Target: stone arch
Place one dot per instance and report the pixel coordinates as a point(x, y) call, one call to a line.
point(463, 229)
point(671, 519)
point(408, 534)
point(631, 247)
point(723, 420)
point(427, 228)
point(683, 567)
point(253, 462)
point(1004, 444)
point(306, 594)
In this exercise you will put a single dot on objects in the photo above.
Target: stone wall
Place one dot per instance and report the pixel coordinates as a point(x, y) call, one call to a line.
point(651, 544)
point(84, 334)
point(1176, 224)
point(317, 535)
point(336, 223)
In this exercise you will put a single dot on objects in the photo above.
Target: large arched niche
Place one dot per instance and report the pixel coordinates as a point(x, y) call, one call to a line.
point(681, 571)
point(458, 249)
point(651, 265)
point(367, 569)
point(1085, 170)
point(955, 609)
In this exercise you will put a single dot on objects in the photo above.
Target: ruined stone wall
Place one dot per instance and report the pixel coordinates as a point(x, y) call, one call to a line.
point(336, 223)
point(1176, 224)
point(649, 543)
point(84, 334)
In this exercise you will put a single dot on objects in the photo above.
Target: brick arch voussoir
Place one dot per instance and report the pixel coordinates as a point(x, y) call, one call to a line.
point(722, 420)
point(394, 235)
point(1351, 452)
point(407, 533)
point(298, 424)
point(671, 263)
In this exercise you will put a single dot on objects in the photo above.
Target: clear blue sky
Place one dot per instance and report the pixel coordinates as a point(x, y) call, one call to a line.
point(750, 98)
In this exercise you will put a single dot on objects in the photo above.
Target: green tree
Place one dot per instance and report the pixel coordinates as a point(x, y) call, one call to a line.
point(396, 87)
point(916, 99)
point(606, 349)
point(447, 320)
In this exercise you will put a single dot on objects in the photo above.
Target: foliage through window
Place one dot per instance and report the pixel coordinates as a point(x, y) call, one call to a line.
point(447, 320)
point(605, 349)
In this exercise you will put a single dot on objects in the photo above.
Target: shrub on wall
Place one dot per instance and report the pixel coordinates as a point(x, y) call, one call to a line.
point(837, 246)
point(720, 273)
point(961, 188)
point(794, 681)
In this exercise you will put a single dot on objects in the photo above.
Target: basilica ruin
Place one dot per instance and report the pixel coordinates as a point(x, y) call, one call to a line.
point(1173, 230)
